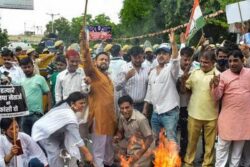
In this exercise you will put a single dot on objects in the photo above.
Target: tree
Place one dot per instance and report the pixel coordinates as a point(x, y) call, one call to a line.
point(140, 17)
point(3, 37)
point(101, 19)
point(62, 29)
point(69, 31)
point(104, 20)
point(76, 26)
point(134, 14)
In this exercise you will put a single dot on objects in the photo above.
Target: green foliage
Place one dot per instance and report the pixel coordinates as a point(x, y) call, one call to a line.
point(3, 38)
point(134, 15)
point(69, 31)
point(176, 11)
point(140, 17)
point(210, 6)
point(61, 27)
point(223, 3)
point(76, 26)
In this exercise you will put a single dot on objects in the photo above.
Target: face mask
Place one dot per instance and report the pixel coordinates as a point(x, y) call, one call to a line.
point(222, 62)
point(150, 57)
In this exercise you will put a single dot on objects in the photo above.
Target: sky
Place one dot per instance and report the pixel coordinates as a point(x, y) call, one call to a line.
point(17, 21)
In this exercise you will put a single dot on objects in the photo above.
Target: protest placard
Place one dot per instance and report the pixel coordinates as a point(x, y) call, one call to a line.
point(99, 32)
point(12, 101)
point(238, 12)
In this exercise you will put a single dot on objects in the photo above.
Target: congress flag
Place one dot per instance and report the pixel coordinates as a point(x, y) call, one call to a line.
point(196, 21)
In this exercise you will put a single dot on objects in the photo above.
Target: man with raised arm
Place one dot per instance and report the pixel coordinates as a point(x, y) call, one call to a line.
point(101, 105)
point(162, 92)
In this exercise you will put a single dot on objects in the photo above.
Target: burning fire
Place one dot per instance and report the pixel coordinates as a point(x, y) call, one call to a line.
point(134, 143)
point(166, 154)
point(125, 162)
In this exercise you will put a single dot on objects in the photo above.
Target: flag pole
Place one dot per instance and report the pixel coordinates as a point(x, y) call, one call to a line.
point(14, 138)
point(242, 23)
point(201, 38)
point(83, 38)
point(85, 13)
point(14, 130)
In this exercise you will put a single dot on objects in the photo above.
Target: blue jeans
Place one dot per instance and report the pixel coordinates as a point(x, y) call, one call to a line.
point(35, 162)
point(168, 121)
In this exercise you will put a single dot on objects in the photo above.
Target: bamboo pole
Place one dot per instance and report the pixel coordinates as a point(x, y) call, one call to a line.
point(14, 130)
point(14, 138)
point(83, 39)
point(85, 14)
point(241, 19)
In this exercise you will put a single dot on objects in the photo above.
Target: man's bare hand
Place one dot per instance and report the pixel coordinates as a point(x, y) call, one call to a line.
point(87, 80)
point(182, 38)
point(215, 81)
point(171, 36)
point(130, 74)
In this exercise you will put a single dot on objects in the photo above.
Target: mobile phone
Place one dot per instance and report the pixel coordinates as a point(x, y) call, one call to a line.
point(20, 150)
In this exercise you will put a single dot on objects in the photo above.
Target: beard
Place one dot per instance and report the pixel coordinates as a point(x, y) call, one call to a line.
point(103, 67)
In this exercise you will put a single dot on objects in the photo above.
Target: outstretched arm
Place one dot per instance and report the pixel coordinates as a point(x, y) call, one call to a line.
point(173, 45)
point(86, 58)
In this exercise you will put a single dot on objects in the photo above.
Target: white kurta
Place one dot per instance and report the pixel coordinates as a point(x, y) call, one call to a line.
point(59, 125)
point(30, 150)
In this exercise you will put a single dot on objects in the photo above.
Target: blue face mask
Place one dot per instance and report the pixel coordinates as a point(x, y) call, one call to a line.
point(222, 62)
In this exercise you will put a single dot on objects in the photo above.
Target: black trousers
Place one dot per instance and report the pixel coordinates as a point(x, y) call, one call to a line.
point(183, 129)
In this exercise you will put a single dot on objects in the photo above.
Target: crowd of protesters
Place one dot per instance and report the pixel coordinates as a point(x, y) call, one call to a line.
point(103, 103)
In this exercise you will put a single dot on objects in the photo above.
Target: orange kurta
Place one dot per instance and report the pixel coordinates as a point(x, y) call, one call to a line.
point(101, 99)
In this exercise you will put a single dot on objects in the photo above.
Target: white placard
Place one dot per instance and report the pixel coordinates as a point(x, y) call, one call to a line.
point(233, 12)
point(17, 4)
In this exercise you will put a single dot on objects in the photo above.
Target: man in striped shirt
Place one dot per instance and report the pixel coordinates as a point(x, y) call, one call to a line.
point(133, 78)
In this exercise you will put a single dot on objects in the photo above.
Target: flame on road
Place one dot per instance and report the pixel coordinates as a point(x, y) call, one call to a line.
point(166, 154)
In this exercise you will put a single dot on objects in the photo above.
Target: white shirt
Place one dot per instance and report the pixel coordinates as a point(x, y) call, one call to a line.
point(30, 150)
point(149, 64)
point(15, 72)
point(184, 97)
point(57, 120)
point(115, 66)
point(136, 86)
point(114, 69)
point(67, 83)
point(162, 92)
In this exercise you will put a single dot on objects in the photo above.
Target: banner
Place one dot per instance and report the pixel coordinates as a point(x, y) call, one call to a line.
point(99, 32)
point(12, 101)
point(17, 4)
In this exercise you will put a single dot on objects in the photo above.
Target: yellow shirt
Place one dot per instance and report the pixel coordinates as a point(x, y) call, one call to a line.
point(201, 105)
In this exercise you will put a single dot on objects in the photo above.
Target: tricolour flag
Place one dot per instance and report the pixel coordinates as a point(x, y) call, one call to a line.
point(196, 21)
